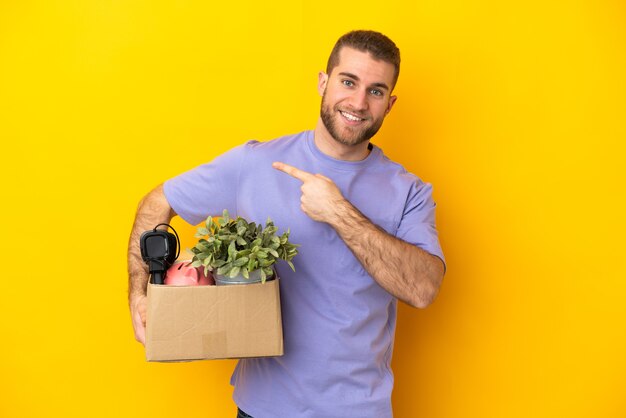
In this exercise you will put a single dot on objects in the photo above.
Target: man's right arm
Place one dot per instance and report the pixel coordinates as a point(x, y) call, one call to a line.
point(152, 210)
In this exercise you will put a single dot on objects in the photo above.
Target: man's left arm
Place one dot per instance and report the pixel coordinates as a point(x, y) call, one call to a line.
point(404, 270)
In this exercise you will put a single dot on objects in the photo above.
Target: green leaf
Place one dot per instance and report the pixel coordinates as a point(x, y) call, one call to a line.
point(234, 272)
point(218, 263)
point(241, 230)
point(291, 265)
point(203, 231)
point(224, 269)
point(263, 276)
point(261, 254)
point(202, 247)
point(240, 261)
point(273, 252)
point(241, 241)
point(232, 251)
point(196, 263)
point(251, 264)
point(244, 271)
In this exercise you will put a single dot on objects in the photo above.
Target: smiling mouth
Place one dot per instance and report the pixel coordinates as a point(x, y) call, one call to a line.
point(351, 117)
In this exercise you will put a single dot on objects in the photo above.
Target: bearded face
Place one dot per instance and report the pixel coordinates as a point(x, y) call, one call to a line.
point(346, 125)
point(356, 96)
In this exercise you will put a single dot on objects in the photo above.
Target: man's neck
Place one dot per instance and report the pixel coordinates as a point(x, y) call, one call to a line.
point(329, 146)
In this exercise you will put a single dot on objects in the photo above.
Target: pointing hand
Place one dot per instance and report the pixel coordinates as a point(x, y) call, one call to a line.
point(321, 198)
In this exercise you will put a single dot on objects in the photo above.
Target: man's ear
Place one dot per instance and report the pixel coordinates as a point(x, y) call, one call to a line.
point(322, 78)
point(392, 100)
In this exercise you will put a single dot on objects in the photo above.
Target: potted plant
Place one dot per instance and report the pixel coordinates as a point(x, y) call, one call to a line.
point(238, 251)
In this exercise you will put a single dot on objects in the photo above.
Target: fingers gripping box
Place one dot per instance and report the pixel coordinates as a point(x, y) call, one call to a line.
point(213, 322)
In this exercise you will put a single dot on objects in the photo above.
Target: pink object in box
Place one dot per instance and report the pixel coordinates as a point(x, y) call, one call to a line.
point(182, 274)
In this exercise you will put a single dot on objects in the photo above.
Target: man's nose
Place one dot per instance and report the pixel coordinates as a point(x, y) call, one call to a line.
point(358, 100)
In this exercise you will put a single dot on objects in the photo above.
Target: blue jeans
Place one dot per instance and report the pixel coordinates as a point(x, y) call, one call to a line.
point(241, 414)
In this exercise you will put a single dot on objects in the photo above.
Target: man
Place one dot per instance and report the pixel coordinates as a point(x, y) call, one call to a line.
point(367, 234)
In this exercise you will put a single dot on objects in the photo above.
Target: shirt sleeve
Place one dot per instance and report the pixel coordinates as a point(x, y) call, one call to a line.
point(417, 225)
point(207, 189)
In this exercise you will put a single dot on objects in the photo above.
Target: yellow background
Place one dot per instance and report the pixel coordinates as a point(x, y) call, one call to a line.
point(514, 111)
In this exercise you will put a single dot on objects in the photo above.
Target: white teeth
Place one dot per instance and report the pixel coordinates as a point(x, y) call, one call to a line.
point(350, 117)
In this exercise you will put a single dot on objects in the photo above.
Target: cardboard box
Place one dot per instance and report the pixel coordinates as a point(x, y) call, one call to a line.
point(213, 322)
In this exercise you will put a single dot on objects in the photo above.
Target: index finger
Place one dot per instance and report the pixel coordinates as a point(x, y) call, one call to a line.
point(293, 171)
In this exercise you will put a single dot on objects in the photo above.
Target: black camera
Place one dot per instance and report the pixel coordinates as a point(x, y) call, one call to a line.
point(159, 249)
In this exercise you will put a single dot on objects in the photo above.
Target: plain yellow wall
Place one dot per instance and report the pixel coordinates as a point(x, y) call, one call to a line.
point(514, 111)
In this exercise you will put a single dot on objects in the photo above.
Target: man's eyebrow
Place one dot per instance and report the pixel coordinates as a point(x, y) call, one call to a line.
point(353, 76)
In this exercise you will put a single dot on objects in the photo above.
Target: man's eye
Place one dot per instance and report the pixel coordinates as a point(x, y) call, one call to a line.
point(376, 92)
point(348, 83)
